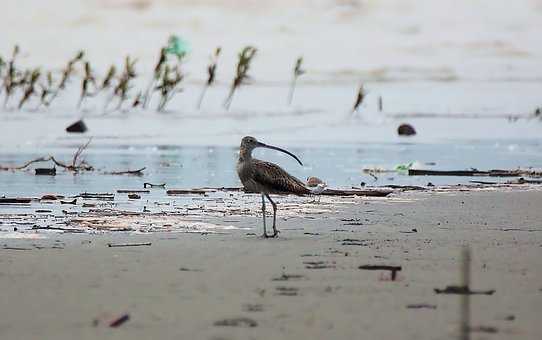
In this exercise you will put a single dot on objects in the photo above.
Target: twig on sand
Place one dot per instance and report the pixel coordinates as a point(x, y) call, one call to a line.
point(392, 269)
point(116, 245)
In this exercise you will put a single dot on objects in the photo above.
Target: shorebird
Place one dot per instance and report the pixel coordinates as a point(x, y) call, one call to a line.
point(266, 178)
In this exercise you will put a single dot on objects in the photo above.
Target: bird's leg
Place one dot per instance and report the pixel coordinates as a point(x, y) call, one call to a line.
point(263, 216)
point(275, 231)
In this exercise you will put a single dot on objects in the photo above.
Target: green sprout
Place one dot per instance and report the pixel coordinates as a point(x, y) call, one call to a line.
point(298, 71)
point(211, 74)
point(241, 77)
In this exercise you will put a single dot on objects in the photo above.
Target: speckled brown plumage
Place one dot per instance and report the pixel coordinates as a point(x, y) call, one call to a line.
point(265, 177)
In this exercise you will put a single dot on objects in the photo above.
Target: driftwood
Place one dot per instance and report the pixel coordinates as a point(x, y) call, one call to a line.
point(104, 197)
point(150, 185)
point(66, 230)
point(25, 165)
point(392, 269)
point(117, 245)
point(327, 192)
point(138, 172)
point(136, 191)
point(463, 290)
point(404, 187)
point(4, 200)
point(490, 173)
point(372, 193)
point(187, 191)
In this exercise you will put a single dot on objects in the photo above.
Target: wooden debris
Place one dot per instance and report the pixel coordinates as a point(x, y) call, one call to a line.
point(187, 192)
point(421, 305)
point(41, 159)
point(119, 321)
point(392, 269)
point(373, 193)
point(135, 191)
point(150, 185)
point(237, 322)
point(463, 290)
point(138, 172)
point(484, 329)
point(474, 172)
point(45, 171)
point(405, 187)
point(4, 200)
point(117, 245)
point(103, 197)
point(51, 197)
point(74, 202)
point(288, 277)
point(66, 230)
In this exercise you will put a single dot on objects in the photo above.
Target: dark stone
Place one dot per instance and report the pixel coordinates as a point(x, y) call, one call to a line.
point(45, 171)
point(406, 130)
point(77, 127)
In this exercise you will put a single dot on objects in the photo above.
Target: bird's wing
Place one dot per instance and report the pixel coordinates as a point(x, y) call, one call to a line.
point(277, 179)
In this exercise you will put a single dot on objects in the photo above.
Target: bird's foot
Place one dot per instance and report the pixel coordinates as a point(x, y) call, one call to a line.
point(275, 234)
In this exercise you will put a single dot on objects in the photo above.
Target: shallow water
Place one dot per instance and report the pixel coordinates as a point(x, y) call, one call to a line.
point(198, 166)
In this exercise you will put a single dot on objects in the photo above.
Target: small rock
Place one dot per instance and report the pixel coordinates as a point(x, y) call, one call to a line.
point(77, 127)
point(406, 130)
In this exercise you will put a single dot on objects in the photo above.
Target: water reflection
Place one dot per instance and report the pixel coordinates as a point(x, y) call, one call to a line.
point(192, 166)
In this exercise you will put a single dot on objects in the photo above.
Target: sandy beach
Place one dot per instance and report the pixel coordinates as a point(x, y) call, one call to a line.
point(306, 283)
point(122, 217)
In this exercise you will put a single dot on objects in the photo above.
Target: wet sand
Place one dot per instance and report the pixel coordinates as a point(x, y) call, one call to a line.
point(304, 284)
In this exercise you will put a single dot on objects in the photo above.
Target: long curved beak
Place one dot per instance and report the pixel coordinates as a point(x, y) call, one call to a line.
point(262, 145)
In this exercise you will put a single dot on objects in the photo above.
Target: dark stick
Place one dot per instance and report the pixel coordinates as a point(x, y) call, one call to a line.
point(465, 298)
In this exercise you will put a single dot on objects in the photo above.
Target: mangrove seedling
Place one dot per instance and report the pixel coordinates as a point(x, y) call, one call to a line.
point(46, 90)
point(168, 85)
point(211, 74)
point(10, 79)
point(67, 72)
point(109, 77)
point(30, 88)
point(88, 79)
point(359, 98)
point(162, 59)
point(241, 77)
point(2, 65)
point(137, 100)
point(123, 86)
point(298, 71)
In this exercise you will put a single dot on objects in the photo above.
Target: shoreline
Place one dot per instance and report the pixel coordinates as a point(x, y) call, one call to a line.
point(236, 285)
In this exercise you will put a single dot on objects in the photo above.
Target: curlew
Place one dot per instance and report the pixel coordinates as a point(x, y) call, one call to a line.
point(265, 177)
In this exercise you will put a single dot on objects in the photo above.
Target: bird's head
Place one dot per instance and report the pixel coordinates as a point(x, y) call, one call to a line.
point(249, 143)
